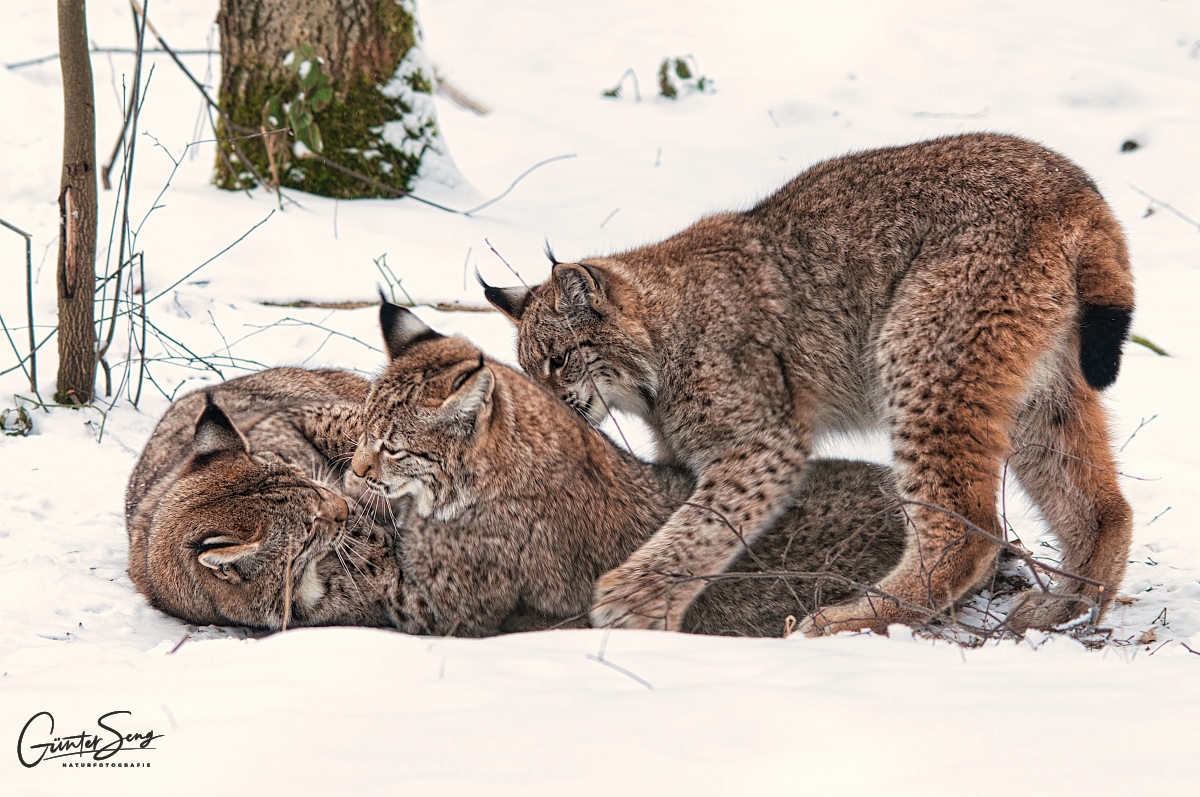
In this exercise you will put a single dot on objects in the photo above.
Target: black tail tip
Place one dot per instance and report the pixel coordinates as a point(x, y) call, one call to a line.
point(1102, 334)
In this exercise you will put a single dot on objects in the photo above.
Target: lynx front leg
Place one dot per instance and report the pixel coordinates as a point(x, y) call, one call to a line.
point(737, 497)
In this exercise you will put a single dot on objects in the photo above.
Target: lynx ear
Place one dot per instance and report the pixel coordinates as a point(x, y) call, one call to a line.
point(472, 401)
point(215, 433)
point(510, 301)
point(577, 287)
point(217, 553)
point(401, 329)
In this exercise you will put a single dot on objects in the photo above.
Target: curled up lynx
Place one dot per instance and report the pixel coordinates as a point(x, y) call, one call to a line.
point(970, 294)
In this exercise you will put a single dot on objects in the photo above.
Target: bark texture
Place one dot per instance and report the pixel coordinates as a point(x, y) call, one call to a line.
point(77, 205)
point(380, 121)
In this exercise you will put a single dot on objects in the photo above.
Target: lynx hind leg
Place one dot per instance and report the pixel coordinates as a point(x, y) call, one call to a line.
point(1063, 460)
point(953, 372)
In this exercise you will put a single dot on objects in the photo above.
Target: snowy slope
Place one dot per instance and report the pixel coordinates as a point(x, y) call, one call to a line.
point(362, 711)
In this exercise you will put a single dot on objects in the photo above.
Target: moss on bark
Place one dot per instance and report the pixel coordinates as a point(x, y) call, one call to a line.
point(380, 122)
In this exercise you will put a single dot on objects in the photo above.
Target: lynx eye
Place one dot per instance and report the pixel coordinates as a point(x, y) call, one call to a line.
point(461, 380)
point(557, 362)
point(212, 543)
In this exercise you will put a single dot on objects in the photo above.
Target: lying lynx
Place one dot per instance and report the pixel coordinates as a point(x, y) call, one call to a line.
point(520, 505)
point(218, 518)
point(971, 294)
point(235, 505)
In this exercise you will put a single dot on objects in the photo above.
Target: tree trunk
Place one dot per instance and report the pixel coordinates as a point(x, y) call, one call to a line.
point(77, 206)
point(375, 116)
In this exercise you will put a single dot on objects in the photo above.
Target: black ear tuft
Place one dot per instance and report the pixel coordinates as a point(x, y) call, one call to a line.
point(550, 254)
point(510, 301)
point(402, 329)
point(215, 432)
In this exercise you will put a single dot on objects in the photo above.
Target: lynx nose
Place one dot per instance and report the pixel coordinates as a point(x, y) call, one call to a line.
point(363, 462)
point(333, 508)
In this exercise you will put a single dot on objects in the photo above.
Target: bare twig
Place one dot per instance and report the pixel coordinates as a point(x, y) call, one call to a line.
point(599, 657)
point(32, 372)
point(1166, 207)
point(136, 100)
point(182, 279)
point(20, 360)
point(520, 177)
point(1160, 514)
point(289, 321)
point(1089, 463)
point(114, 50)
point(615, 91)
point(179, 644)
point(608, 218)
point(1016, 550)
point(137, 397)
point(234, 128)
point(21, 364)
point(1142, 423)
point(396, 192)
point(440, 83)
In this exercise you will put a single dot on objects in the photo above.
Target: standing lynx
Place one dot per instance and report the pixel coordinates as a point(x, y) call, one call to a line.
point(971, 294)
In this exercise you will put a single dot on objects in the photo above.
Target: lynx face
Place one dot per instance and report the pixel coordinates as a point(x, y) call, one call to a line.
point(576, 340)
point(422, 421)
point(231, 528)
point(234, 526)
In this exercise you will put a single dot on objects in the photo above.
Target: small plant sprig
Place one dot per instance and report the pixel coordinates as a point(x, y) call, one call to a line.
point(615, 91)
point(678, 75)
point(393, 282)
point(315, 92)
point(15, 422)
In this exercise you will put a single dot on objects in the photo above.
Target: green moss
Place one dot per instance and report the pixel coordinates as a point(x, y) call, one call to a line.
point(351, 127)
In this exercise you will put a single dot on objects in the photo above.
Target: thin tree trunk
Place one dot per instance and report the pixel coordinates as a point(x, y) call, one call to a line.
point(77, 206)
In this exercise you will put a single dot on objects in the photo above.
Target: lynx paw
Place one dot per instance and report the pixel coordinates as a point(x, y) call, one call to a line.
point(1037, 609)
point(629, 597)
point(857, 615)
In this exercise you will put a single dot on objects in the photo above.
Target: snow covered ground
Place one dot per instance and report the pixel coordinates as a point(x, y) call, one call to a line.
point(593, 712)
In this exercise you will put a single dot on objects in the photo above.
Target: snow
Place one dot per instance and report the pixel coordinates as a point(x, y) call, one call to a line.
point(595, 712)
